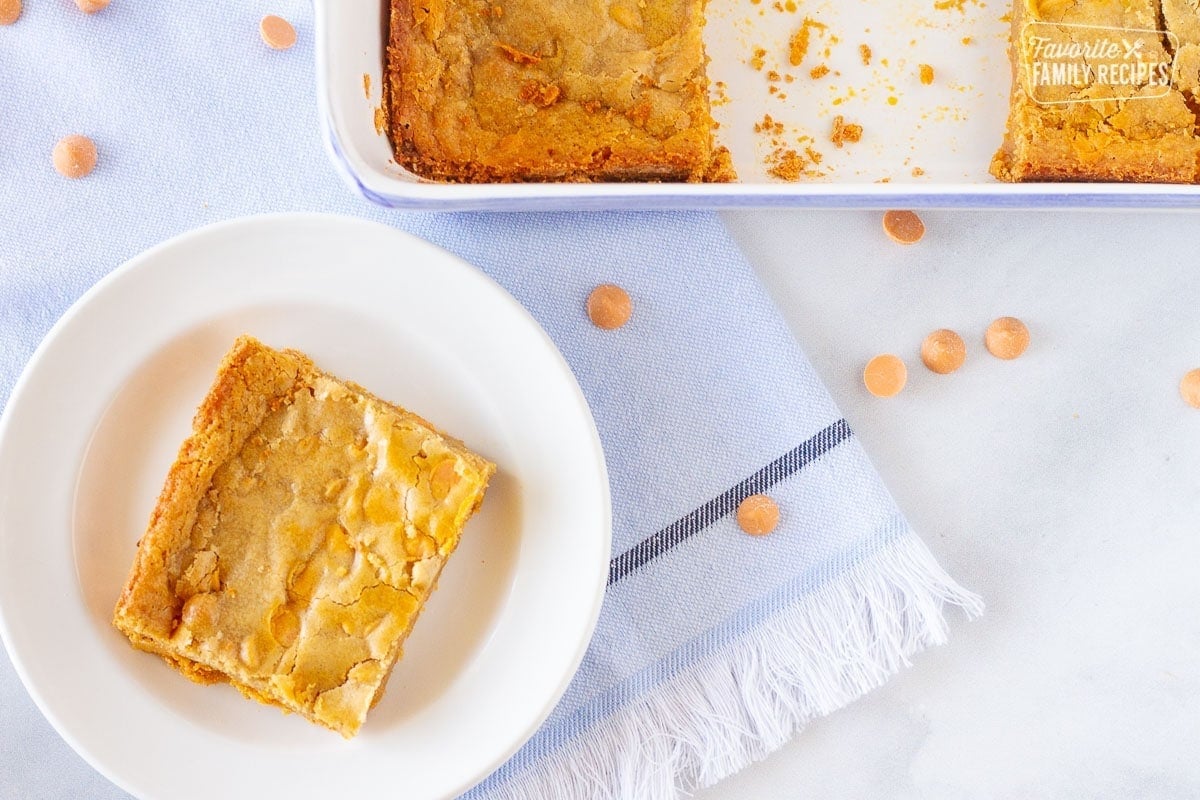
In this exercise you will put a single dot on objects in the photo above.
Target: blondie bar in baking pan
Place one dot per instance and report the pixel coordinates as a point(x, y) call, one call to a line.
point(1103, 90)
point(538, 90)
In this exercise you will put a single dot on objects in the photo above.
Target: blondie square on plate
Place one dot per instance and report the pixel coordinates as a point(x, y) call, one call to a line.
point(297, 537)
point(540, 90)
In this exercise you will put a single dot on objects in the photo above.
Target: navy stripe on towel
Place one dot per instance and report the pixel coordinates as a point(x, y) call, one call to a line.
point(727, 502)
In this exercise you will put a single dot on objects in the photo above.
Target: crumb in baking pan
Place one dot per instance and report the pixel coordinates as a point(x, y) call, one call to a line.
point(787, 165)
point(845, 131)
point(758, 58)
point(799, 42)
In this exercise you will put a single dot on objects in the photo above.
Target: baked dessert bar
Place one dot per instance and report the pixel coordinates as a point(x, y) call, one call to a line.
point(298, 535)
point(1104, 121)
point(539, 90)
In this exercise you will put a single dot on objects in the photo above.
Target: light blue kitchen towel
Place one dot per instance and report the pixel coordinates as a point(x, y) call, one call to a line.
point(713, 647)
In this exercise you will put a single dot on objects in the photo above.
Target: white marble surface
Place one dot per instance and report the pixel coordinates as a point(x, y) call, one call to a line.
point(1064, 486)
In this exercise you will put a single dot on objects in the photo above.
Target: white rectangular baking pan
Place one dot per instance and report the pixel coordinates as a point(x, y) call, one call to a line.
point(922, 145)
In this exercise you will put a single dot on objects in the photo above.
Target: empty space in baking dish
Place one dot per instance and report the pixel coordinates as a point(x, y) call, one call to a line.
point(867, 56)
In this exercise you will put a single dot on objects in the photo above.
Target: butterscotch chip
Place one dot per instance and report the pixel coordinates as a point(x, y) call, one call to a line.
point(943, 351)
point(1189, 388)
point(758, 515)
point(74, 156)
point(277, 32)
point(609, 306)
point(1006, 338)
point(885, 375)
point(926, 72)
point(91, 6)
point(10, 10)
point(904, 227)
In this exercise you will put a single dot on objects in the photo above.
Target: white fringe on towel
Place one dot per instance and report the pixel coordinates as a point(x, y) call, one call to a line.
point(750, 697)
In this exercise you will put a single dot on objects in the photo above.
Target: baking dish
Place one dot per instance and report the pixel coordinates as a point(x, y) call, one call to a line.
point(923, 145)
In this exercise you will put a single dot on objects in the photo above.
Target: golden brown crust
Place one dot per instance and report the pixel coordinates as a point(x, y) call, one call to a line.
point(1105, 132)
point(250, 380)
point(532, 90)
point(297, 537)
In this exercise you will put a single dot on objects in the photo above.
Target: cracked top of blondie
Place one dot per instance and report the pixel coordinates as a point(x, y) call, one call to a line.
point(526, 90)
point(297, 537)
point(1099, 118)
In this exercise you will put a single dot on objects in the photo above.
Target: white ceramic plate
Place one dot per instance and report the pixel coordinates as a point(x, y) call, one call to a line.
point(946, 132)
point(98, 416)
